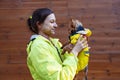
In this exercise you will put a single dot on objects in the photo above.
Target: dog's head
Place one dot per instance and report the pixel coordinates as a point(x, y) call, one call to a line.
point(73, 25)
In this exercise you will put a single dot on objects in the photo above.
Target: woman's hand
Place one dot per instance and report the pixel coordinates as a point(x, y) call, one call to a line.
point(67, 47)
point(81, 44)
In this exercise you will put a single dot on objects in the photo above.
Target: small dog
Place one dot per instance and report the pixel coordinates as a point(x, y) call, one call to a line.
point(76, 29)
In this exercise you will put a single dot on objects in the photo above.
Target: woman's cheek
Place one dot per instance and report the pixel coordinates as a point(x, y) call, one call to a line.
point(52, 29)
point(49, 28)
point(45, 28)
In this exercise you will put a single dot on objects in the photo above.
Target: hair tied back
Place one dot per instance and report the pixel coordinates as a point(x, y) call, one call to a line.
point(30, 17)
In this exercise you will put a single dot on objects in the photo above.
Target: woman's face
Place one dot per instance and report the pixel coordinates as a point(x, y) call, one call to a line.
point(49, 25)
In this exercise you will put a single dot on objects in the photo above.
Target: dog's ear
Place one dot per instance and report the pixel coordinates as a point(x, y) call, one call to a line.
point(73, 23)
point(71, 27)
point(72, 20)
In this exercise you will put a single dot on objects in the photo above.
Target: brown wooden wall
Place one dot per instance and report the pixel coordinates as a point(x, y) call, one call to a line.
point(101, 16)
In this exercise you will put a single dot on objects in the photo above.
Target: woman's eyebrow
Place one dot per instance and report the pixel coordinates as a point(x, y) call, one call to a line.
point(52, 20)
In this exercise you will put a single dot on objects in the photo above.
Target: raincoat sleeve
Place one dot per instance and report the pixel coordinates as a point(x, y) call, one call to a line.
point(49, 68)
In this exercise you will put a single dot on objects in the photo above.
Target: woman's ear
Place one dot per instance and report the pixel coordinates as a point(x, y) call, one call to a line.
point(39, 25)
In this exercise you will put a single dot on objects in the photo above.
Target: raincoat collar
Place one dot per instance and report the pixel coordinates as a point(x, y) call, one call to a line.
point(45, 39)
point(34, 36)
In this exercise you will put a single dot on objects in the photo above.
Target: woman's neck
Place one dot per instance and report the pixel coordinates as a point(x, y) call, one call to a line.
point(44, 35)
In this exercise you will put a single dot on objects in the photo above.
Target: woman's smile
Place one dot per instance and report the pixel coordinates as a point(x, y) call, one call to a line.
point(49, 24)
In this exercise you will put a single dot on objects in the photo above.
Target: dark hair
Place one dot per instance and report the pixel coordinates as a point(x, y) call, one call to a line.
point(38, 15)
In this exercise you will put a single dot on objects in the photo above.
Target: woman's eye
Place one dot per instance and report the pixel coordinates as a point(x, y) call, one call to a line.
point(52, 21)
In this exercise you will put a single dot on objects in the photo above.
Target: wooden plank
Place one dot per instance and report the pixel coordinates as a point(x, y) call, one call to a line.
point(105, 48)
point(108, 33)
point(104, 66)
point(92, 1)
point(104, 41)
point(4, 1)
point(35, 4)
point(13, 51)
point(17, 59)
point(13, 36)
point(100, 58)
point(16, 77)
point(60, 3)
point(3, 59)
point(105, 52)
point(13, 68)
point(89, 4)
point(89, 11)
point(115, 57)
point(4, 4)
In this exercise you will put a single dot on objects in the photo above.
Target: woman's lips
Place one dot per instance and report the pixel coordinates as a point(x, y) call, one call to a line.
point(53, 29)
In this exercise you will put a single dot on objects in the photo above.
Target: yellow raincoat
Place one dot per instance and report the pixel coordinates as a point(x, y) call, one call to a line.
point(45, 63)
point(83, 56)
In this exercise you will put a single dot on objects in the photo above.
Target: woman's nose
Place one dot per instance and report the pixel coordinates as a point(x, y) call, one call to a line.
point(55, 25)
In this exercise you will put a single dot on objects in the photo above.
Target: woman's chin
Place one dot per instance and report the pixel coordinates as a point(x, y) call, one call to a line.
point(52, 32)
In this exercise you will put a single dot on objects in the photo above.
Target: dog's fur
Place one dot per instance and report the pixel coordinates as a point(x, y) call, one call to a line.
point(72, 27)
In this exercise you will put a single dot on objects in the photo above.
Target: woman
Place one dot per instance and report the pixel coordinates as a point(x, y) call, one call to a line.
point(45, 60)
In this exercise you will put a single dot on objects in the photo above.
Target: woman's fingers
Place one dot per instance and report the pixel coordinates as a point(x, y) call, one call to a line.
point(82, 41)
point(85, 43)
point(81, 44)
point(89, 47)
point(85, 46)
point(80, 38)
